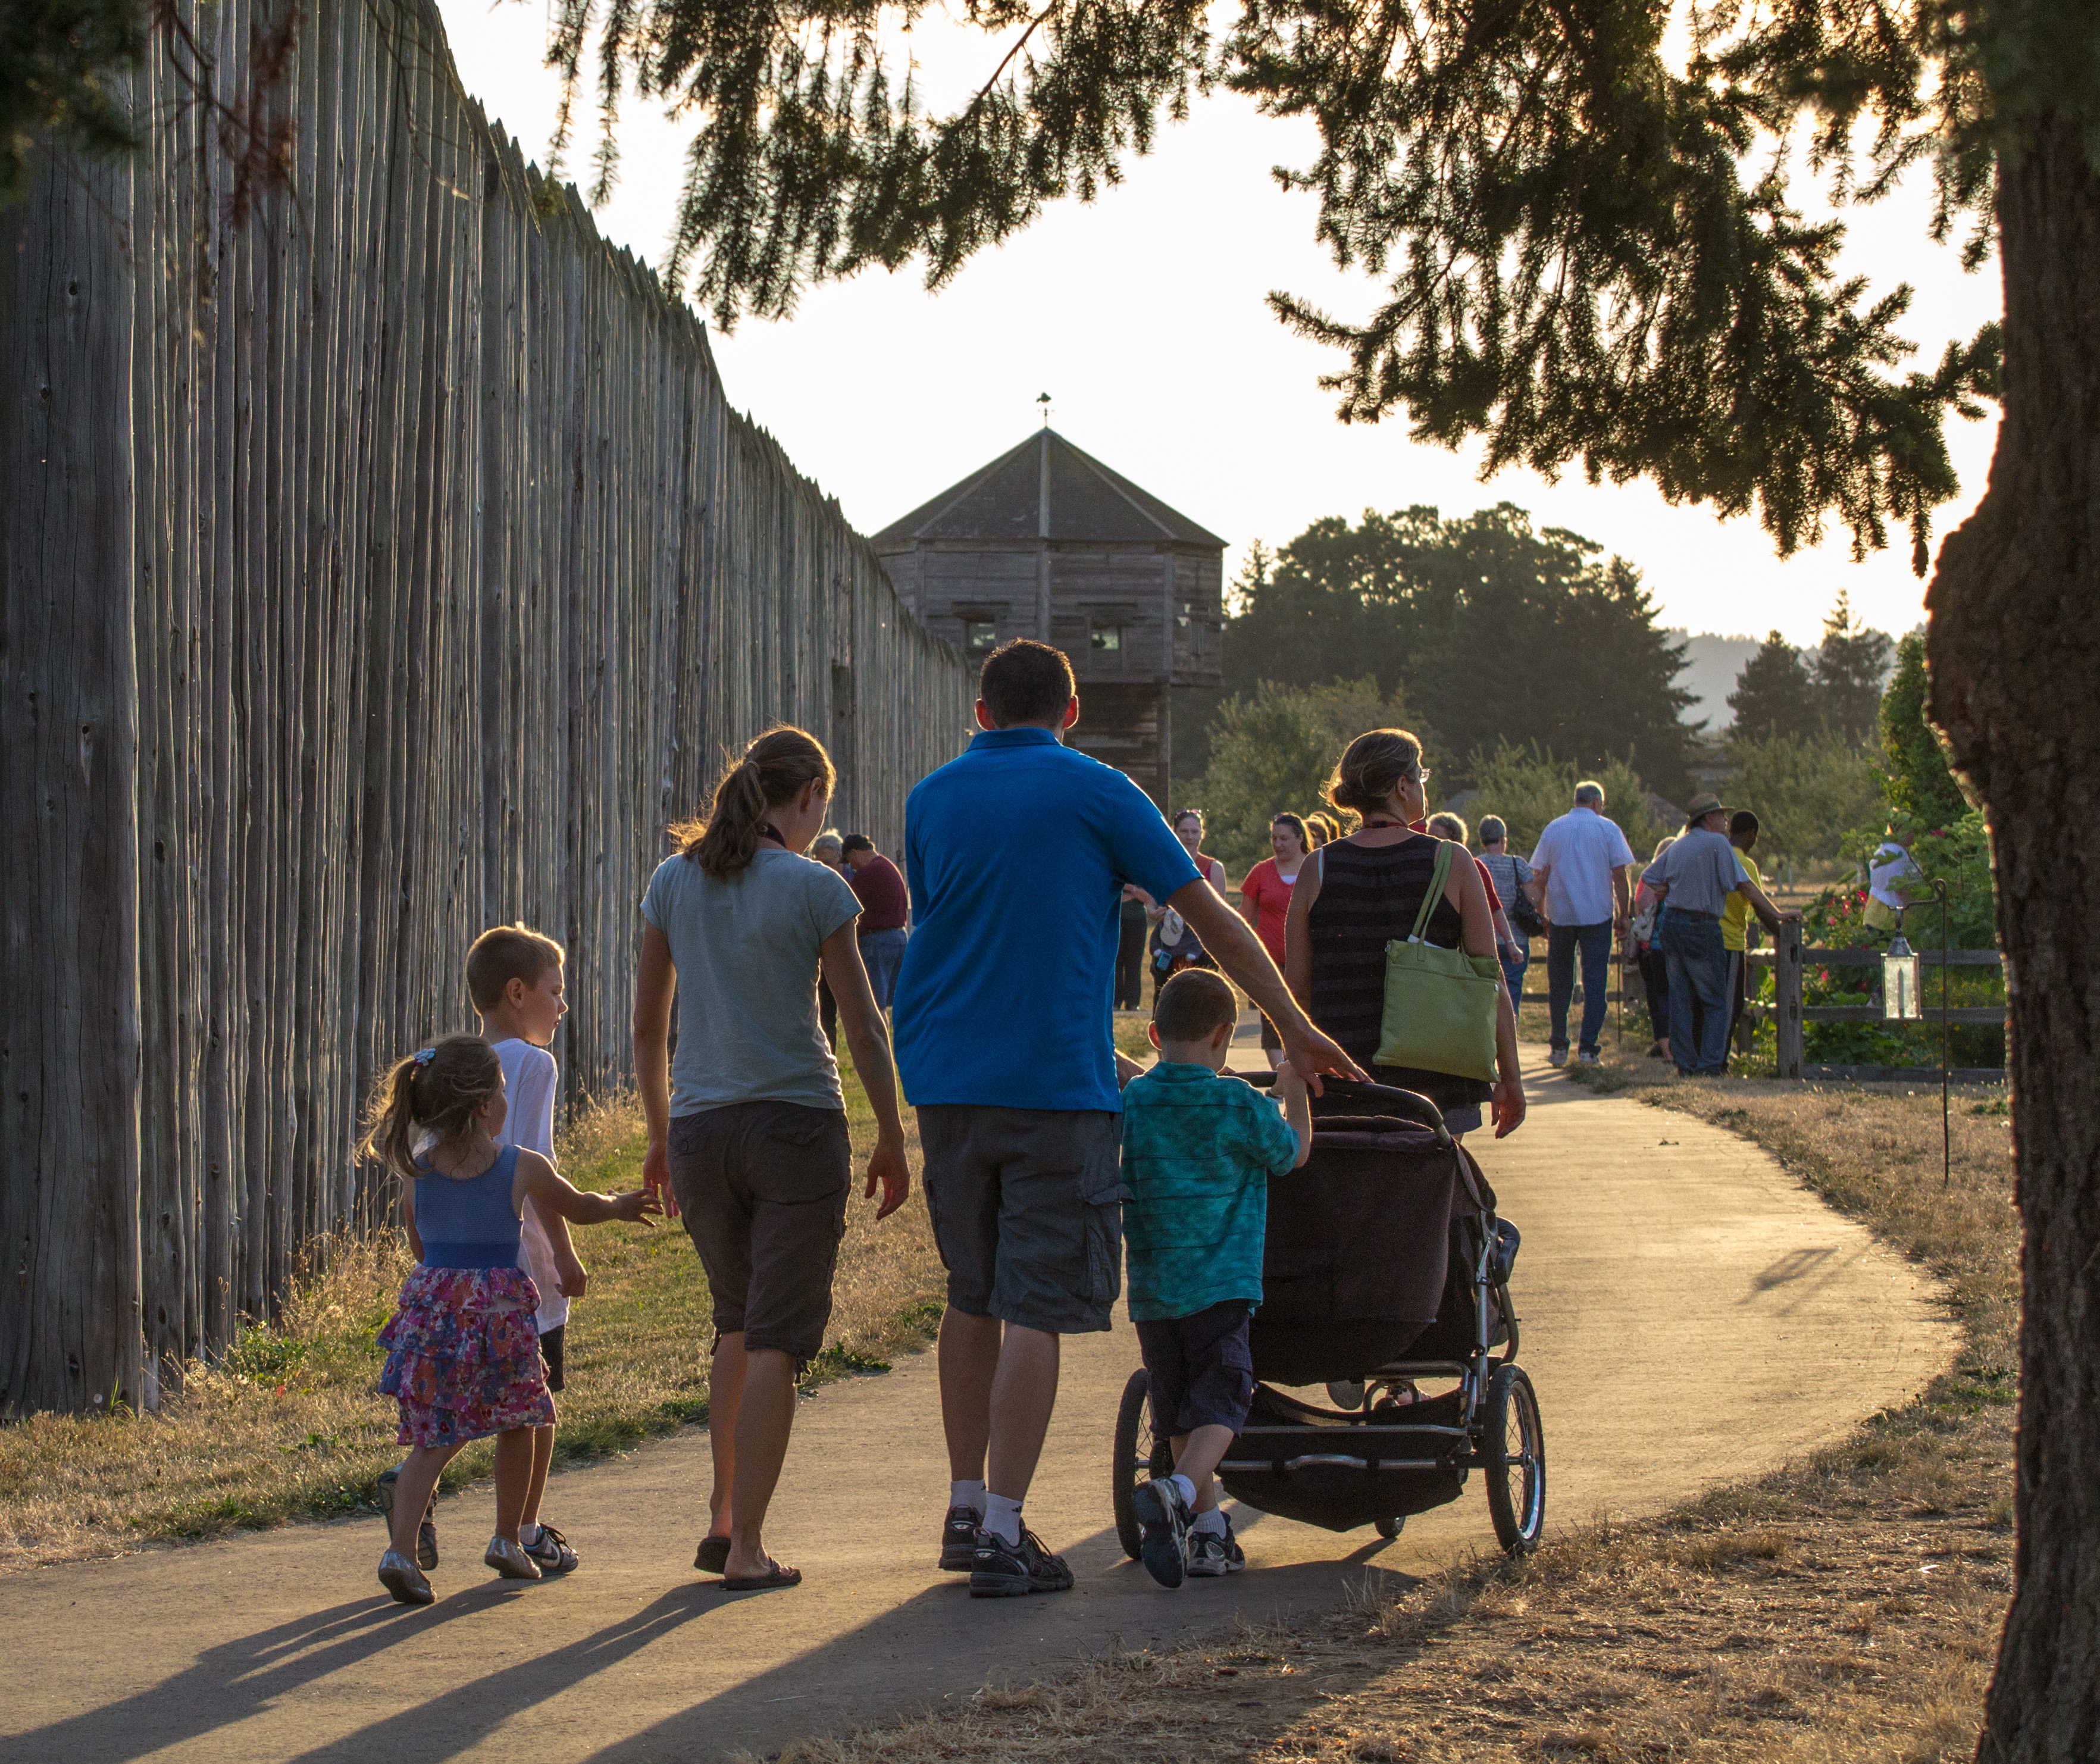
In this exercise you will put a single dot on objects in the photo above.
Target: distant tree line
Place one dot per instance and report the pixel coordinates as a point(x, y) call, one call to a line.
point(1525, 659)
point(1491, 631)
point(1834, 689)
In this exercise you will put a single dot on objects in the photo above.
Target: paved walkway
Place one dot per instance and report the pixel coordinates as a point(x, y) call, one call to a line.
point(1689, 1314)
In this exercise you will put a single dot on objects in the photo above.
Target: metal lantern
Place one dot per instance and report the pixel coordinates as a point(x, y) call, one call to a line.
point(1901, 976)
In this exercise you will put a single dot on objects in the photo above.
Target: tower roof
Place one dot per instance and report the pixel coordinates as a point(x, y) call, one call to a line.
point(1047, 488)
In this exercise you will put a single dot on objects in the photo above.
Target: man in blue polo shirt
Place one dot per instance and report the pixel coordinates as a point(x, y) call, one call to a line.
point(1017, 854)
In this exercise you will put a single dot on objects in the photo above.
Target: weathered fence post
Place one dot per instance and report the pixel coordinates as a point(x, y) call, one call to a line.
point(69, 1324)
point(1786, 1003)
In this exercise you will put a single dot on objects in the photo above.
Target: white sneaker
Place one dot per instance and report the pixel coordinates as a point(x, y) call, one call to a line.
point(1558, 1056)
point(1215, 1553)
point(1590, 1059)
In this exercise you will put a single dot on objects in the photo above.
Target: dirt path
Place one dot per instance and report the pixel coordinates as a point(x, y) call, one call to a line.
point(1689, 1315)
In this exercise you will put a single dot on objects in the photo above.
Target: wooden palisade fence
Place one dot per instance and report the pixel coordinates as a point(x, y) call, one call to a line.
point(378, 565)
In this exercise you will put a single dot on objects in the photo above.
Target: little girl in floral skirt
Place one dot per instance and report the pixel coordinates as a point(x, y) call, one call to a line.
point(462, 1346)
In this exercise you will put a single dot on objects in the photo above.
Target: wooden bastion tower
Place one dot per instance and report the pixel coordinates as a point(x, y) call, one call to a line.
point(1047, 542)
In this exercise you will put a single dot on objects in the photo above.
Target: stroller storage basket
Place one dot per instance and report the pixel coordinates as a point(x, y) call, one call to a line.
point(1325, 1468)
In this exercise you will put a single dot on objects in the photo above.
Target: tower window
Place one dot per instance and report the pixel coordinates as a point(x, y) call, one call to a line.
point(1108, 637)
point(979, 636)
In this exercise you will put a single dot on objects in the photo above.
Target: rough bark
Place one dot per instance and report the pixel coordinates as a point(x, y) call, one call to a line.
point(2014, 651)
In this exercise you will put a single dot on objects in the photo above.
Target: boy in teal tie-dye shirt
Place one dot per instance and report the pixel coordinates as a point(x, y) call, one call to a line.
point(1198, 1149)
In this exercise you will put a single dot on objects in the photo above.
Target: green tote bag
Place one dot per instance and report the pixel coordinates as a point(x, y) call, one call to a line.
point(1439, 1004)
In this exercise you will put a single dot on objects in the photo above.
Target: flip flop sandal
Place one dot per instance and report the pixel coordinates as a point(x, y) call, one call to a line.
point(772, 1580)
point(712, 1556)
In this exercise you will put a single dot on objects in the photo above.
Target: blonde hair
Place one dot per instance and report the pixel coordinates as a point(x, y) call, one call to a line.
point(439, 1090)
point(773, 769)
point(1447, 824)
point(1374, 766)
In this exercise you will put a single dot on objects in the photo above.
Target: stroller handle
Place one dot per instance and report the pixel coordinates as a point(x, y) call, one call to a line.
point(1410, 1104)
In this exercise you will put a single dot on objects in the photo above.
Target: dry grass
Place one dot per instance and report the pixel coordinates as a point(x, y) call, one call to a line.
point(289, 1424)
point(1843, 1610)
point(1810, 1644)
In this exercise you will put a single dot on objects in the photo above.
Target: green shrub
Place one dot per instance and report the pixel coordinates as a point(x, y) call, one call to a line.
point(1276, 751)
point(1836, 920)
point(1914, 770)
point(1807, 792)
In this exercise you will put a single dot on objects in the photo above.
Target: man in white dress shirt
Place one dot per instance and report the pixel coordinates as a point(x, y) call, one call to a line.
point(1582, 859)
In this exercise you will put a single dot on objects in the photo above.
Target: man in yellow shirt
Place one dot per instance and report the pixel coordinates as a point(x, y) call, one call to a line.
point(1743, 827)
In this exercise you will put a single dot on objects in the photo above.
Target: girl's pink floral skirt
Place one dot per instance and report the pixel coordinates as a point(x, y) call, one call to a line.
point(463, 1355)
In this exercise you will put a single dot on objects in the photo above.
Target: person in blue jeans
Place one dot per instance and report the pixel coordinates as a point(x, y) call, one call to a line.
point(1694, 878)
point(1583, 860)
point(886, 910)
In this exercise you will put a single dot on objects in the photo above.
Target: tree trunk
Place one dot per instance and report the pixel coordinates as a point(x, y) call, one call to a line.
point(2014, 650)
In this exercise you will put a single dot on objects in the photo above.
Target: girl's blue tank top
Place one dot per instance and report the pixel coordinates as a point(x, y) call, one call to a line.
point(468, 1224)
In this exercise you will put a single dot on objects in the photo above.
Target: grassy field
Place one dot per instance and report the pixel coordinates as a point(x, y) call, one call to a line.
point(1843, 1610)
point(288, 1425)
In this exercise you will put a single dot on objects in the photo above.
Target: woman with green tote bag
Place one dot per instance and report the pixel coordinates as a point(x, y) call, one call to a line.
point(1356, 895)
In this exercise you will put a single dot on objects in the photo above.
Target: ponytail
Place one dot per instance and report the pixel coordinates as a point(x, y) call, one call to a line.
point(773, 770)
point(437, 1091)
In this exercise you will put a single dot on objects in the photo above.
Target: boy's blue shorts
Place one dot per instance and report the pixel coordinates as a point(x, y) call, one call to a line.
point(1202, 1371)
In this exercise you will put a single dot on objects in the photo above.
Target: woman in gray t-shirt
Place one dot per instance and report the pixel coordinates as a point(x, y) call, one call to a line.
point(748, 1138)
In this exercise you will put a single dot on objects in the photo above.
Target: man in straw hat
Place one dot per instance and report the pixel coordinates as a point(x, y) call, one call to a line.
point(1694, 878)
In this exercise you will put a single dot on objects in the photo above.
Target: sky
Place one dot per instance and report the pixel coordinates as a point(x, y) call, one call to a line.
point(1142, 315)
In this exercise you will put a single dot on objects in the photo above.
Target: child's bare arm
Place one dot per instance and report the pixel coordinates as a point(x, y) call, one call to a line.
point(571, 1276)
point(538, 1180)
point(1289, 1089)
point(408, 1218)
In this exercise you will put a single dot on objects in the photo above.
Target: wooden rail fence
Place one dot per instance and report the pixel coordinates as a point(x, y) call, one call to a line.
point(380, 565)
point(1788, 959)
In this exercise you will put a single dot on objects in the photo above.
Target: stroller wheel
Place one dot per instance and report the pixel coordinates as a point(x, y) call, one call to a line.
point(1139, 1458)
point(1513, 1454)
point(1389, 1529)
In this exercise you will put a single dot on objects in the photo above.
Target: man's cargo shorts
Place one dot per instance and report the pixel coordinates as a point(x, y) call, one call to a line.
point(1027, 1206)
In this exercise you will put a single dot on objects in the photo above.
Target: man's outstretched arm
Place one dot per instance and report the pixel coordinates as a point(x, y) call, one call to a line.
point(1238, 951)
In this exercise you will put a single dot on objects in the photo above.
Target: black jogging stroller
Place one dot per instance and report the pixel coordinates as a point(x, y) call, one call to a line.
point(1385, 1269)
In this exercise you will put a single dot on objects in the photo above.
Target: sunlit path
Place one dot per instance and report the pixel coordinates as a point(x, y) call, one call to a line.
point(1688, 1314)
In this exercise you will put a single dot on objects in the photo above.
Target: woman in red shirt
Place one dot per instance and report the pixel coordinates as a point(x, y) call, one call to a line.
point(1265, 901)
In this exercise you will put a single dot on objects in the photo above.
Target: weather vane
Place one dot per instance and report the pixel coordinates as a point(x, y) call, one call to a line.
point(1044, 399)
